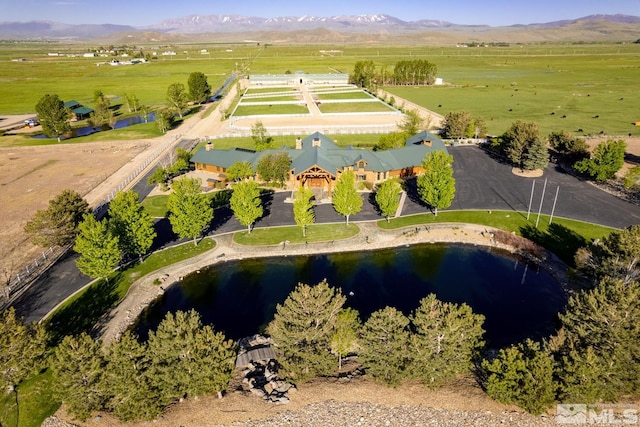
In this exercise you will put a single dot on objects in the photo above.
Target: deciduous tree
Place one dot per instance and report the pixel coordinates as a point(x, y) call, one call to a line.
point(190, 211)
point(437, 186)
point(239, 171)
point(605, 161)
point(131, 223)
point(260, 137)
point(303, 209)
point(302, 329)
point(412, 123)
point(388, 197)
point(53, 116)
point(245, 203)
point(102, 113)
point(164, 119)
point(274, 167)
point(58, 224)
point(345, 197)
point(98, 248)
point(199, 88)
point(363, 73)
point(456, 124)
point(384, 346)
point(177, 98)
point(388, 141)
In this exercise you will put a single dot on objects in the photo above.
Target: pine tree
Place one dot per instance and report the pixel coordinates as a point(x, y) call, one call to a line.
point(384, 346)
point(190, 210)
point(521, 374)
point(437, 186)
point(345, 197)
point(126, 376)
point(131, 223)
point(53, 116)
point(603, 322)
point(302, 329)
point(303, 209)
point(446, 339)
point(388, 197)
point(98, 248)
point(79, 366)
point(535, 156)
point(245, 203)
point(58, 224)
point(517, 139)
point(189, 359)
point(22, 351)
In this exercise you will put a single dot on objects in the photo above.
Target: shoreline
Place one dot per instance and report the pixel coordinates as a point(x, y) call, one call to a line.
point(145, 290)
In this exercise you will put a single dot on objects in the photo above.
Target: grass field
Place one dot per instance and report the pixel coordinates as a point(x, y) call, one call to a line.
point(253, 110)
point(573, 87)
point(341, 95)
point(354, 107)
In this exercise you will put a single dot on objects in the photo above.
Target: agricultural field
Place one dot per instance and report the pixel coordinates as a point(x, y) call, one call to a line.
point(589, 89)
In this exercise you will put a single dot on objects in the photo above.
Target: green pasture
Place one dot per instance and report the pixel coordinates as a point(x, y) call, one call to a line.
point(251, 110)
point(293, 234)
point(354, 107)
point(277, 141)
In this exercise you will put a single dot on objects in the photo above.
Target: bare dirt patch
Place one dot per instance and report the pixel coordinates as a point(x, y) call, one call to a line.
point(31, 176)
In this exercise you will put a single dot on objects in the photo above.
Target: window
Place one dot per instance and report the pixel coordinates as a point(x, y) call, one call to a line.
point(361, 178)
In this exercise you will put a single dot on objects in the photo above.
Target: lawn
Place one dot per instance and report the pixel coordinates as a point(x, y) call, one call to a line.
point(36, 402)
point(354, 107)
point(82, 312)
point(293, 234)
point(563, 237)
point(272, 98)
point(260, 110)
point(341, 95)
point(156, 206)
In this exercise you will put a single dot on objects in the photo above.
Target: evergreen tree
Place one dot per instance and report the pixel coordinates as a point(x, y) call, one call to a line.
point(605, 161)
point(177, 98)
point(245, 203)
point(53, 116)
point(22, 351)
point(199, 88)
point(239, 171)
point(456, 124)
point(345, 197)
point(79, 366)
point(190, 210)
point(384, 346)
point(535, 156)
point(388, 197)
point(446, 339)
point(58, 224)
point(126, 376)
point(189, 359)
point(302, 329)
point(345, 338)
point(437, 186)
point(600, 329)
point(303, 209)
point(98, 248)
point(521, 374)
point(517, 139)
point(131, 223)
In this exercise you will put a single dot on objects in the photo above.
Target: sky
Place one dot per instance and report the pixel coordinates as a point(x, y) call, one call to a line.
point(148, 12)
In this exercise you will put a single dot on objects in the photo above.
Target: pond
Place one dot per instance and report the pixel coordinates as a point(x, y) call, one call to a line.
point(239, 298)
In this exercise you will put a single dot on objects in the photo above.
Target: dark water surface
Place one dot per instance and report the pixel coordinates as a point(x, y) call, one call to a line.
point(239, 297)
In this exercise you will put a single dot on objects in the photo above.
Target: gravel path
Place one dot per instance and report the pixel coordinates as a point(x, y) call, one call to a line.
point(337, 414)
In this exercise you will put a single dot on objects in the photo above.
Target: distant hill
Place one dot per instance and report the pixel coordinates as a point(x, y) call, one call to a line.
point(346, 29)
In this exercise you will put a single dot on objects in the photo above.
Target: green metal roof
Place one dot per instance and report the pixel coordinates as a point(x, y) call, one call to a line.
point(328, 156)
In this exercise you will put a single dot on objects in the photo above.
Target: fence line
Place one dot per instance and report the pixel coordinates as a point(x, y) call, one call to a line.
point(18, 284)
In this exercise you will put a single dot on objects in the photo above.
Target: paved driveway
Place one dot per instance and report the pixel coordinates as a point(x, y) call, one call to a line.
point(481, 183)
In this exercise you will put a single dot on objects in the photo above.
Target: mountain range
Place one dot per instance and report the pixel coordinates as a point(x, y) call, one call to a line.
point(192, 27)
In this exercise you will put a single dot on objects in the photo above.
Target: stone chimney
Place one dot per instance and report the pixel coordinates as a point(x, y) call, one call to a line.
point(315, 142)
point(209, 146)
point(298, 143)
